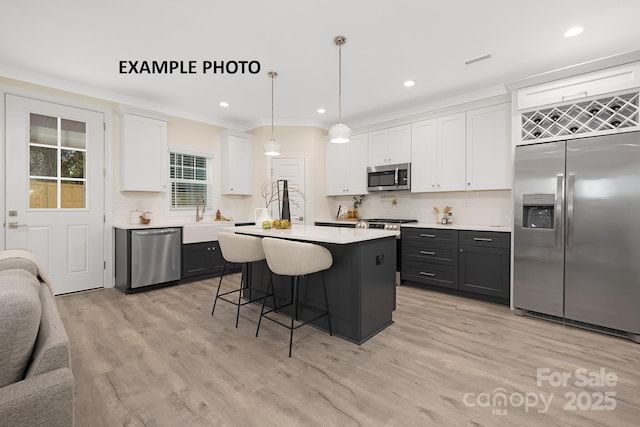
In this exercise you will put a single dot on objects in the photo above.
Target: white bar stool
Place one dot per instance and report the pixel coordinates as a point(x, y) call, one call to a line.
point(240, 249)
point(295, 259)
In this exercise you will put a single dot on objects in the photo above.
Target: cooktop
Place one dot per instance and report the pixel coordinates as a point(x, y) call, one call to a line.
point(390, 220)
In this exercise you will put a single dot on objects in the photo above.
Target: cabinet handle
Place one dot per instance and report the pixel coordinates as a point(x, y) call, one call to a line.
point(482, 239)
point(427, 253)
point(428, 235)
point(576, 95)
point(424, 273)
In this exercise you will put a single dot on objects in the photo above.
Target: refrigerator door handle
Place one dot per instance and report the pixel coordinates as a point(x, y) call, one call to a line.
point(570, 194)
point(559, 204)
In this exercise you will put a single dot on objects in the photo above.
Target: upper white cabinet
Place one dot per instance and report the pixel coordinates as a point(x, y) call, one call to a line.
point(390, 146)
point(236, 162)
point(346, 166)
point(438, 154)
point(583, 86)
point(143, 151)
point(489, 148)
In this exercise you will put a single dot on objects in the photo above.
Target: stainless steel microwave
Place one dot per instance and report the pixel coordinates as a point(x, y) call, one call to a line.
point(389, 177)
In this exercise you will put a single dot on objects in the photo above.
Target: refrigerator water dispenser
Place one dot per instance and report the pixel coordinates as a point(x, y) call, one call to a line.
point(538, 210)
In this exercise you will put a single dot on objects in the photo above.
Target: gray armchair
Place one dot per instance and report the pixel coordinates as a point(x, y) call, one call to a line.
point(36, 382)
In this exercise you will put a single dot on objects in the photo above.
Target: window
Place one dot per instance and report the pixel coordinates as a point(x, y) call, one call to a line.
point(57, 155)
point(189, 176)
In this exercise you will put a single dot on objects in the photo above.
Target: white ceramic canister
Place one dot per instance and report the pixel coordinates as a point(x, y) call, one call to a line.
point(134, 216)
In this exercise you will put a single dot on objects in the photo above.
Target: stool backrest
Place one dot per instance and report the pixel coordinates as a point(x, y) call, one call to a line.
point(290, 258)
point(239, 248)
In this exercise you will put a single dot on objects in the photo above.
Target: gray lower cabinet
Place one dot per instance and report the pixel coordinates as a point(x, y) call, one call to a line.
point(201, 258)
point(484, 263)
point(473, 262)
point(430, 256)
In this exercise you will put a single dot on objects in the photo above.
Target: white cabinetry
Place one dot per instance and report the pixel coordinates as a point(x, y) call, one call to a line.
point(346, 166)
point(489, 148)
point(438, 154)
point(143, 152)
point(236, 163)
point(390, 146)
point(578, 87)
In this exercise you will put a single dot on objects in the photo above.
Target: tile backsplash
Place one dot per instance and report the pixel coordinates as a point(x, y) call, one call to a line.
point(469, 207)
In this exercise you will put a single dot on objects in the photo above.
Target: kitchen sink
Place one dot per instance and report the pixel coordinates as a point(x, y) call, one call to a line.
point(197, 232)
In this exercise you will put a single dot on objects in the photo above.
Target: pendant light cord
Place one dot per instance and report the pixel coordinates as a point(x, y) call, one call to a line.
point(272, 77)
point(340, 83)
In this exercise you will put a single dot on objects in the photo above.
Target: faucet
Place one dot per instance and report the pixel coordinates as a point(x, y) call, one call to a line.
point(200, 202)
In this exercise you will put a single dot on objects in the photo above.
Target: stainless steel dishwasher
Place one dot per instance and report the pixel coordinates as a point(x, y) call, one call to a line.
point(155, 256)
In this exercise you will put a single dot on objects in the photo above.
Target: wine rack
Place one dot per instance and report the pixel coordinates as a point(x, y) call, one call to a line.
point(603, 114)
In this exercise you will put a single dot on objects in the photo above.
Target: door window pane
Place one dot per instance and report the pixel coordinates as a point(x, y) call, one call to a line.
point(74, 134)
point(43, 129)
point(43, 161)
point(72, 163)
point(72, 194)
point(43, 194)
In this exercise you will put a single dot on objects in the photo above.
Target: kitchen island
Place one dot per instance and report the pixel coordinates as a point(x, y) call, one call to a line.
point(360, 283)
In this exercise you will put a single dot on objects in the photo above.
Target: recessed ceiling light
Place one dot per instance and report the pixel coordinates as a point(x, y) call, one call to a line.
point(224, 104)
point(409, 83)
point(321, 111)
point(573, 31)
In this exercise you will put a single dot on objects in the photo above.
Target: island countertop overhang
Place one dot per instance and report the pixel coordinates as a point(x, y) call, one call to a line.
point(317, 234)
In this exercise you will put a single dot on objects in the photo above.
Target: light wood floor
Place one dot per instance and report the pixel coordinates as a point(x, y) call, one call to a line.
point(159, 359)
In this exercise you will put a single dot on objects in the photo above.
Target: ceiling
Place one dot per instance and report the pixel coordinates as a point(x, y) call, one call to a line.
point(77, 45)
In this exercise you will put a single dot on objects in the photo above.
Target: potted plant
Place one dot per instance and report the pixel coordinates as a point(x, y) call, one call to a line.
point(357, 201)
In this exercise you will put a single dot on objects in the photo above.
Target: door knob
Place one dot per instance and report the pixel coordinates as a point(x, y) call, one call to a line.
point(16, 225)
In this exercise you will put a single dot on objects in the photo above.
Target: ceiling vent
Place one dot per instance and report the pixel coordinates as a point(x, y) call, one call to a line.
point(478, 59)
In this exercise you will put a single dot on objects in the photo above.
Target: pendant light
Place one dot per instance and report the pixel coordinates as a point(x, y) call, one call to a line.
point(271, 147)
point(339, 133)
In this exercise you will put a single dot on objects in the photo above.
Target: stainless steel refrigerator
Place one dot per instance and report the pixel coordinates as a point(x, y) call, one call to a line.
point(577, 231)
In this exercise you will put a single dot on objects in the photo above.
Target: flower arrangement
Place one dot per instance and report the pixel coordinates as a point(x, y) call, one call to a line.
point(272, 193)
point(358, 200)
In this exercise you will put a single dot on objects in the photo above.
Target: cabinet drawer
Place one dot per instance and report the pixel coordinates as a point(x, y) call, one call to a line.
point(435, 252)
point(485, 238)
point(430, 234)
point(431, 274)
point(583, 86)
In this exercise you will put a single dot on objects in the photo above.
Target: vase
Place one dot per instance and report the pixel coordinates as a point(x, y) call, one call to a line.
point(260, 215)
point(286, 209)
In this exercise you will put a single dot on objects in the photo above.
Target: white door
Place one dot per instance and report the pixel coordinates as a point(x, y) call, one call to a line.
point(293, 170)
point(55, 189)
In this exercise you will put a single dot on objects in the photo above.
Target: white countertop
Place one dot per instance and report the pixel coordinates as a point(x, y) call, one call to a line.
point(312, 233)
point(454, 226)
point(165, 224)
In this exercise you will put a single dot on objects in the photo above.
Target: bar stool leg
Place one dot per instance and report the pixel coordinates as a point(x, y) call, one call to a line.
point(294, 313)
point(243, 280)
point(264, 301)
point(326, 300)
point(215, 300)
